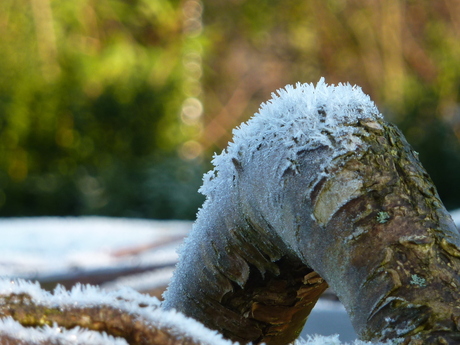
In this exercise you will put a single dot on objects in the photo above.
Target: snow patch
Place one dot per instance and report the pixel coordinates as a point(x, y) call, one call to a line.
point(41, 246)
point(142, 281)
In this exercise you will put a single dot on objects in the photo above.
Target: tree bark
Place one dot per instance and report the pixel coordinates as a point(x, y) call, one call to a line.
point(397, 246)
point(360, 214)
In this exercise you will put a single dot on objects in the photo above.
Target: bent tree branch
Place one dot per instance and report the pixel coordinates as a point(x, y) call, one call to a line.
point(349, 203)
point(317, 189)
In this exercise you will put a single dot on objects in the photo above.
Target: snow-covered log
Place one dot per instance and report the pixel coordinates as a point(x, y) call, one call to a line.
point(317, 188)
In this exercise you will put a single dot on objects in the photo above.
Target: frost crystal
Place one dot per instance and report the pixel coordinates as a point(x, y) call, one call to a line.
point(56, 335)
point(300, 117)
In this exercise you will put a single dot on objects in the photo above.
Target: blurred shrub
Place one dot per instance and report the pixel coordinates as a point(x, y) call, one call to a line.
point(90, 97)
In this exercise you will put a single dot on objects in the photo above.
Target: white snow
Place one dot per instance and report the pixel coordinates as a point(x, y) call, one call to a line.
point(56, 335)
point(143, 281)
point(35, 247)
point(334, 340)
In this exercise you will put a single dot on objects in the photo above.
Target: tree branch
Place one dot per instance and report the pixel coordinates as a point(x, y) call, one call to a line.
point(318, 183)
point(125, 315)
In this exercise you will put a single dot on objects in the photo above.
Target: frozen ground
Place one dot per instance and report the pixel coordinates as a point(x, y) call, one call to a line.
point(39, 248)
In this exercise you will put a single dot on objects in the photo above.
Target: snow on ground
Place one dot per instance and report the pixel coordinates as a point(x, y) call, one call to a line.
point(32, 248)
point(329, 318)
point(38, 246)
point(456, 217)
point(144, 281)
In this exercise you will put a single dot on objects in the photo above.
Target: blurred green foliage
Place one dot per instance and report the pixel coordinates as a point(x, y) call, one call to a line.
point(90, 93)
point(101, 102)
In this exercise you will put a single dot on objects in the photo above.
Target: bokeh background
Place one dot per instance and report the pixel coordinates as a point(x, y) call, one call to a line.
point(115, 107)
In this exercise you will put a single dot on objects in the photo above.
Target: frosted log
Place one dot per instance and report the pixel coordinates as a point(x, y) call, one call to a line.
point(88, 316)
point(317, 188)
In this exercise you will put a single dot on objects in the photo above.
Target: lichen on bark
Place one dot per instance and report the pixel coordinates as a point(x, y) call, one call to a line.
point(398, 278)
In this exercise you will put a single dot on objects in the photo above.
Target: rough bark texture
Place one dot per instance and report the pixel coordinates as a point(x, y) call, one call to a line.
point(397, 246)
point(371, 225)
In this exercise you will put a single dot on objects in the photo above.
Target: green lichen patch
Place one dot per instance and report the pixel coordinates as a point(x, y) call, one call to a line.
point(383, 217)
point(416, 280)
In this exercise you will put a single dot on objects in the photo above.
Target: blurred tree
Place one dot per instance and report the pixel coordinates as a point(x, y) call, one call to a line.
point(90, 92)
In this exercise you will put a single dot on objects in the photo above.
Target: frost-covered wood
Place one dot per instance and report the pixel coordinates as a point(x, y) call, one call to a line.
point(87, 315)
point(319, 188)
